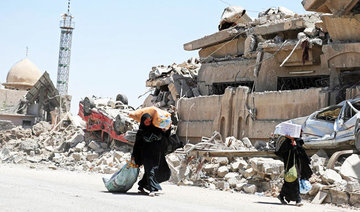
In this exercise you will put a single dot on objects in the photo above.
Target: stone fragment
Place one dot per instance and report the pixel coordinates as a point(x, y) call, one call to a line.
point(222, 185)
point(330, 176)
point(41, 127)
point(222, 171)
point(249, 188)
point(246, 141)
point(29, 145)
point(95, 146)
point(75, 139)
point(118, 155)
point(174, 160)
point(5, 154)
point(79, 147)
point(339, 197)
point(239, 186)
point(233, 182)
point(267, 166)
point(351, 167)
point(354, 199)
point(234, 166)
point(318, 163)
point(316, 187)
point(212, 186)
point(311, 31)
point(231, 175)
point(76, 156)
point(222, 161)
point(248, 173)
point(210, 168)
point(353, 186)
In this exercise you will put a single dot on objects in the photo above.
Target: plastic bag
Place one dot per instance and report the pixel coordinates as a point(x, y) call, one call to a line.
point(305, 186)
point(161, 118)
point(124, 179)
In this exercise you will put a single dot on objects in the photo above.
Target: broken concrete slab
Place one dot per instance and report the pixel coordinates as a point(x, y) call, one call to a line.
point(348, 33)
point(249, 188)
point(213, 39)
point(351, 167)
point(330, 176)
point(338, 8)
point(222, 171)
point(320, 197)
point(285, 25)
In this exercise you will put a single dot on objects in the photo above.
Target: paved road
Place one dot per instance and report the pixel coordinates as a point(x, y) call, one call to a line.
point(25, 189)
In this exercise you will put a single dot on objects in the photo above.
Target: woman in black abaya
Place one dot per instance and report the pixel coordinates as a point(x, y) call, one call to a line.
point(149, 150)
point(289, 149)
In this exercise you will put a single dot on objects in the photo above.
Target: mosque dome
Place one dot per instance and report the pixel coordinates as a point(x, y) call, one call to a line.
point(23, 75)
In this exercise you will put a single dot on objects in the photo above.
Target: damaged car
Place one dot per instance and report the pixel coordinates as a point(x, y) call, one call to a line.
point(336, 126)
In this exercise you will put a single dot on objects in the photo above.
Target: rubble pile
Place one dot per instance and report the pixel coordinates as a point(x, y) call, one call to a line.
point(249, 175)
point(263, 176)
point(69, 148)
point(172, 82)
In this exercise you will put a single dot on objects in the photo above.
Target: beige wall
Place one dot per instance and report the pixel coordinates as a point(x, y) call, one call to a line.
point(231, 113)
point(10, 98)
point(274, 105)
point(17, 119)
point(196, 116)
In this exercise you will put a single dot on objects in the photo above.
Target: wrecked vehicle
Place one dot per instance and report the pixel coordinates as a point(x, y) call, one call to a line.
point(107, 118)
point(336, 126)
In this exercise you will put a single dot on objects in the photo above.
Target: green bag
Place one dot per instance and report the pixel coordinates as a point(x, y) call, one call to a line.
point(291, 175)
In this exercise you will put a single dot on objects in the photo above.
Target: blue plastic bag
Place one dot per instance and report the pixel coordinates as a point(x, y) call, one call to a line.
point(305, 186)
point(124, 179)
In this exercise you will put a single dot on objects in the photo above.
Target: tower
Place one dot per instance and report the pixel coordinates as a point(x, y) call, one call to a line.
point(67, 27)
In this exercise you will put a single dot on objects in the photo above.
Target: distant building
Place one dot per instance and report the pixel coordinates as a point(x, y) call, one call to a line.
point(20, 78)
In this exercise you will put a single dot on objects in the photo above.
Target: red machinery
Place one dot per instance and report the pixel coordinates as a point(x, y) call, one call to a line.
point(101, 121)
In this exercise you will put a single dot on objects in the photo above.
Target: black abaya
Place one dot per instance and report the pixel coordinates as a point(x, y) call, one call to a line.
point(287, 151)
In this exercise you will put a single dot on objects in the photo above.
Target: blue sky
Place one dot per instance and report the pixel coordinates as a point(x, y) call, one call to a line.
point(115, 43)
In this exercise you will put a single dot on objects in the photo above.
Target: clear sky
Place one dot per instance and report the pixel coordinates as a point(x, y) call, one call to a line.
point(115, 42)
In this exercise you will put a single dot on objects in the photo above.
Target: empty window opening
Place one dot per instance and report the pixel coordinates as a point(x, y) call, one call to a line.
point(26, 123)
point(219, 88)
point(294, 83)
point(348, 79)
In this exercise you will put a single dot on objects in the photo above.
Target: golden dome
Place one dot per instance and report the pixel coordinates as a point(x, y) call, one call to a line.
point(23, 75)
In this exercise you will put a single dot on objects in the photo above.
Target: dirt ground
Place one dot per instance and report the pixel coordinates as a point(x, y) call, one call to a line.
point(40, 189)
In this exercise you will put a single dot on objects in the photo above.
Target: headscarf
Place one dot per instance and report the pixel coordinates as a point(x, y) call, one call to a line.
point(142, 124)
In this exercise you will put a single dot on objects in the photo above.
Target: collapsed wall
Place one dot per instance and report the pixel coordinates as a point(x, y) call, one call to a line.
point(242, 113)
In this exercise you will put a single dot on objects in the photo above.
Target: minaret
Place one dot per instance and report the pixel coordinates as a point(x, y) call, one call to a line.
point(67, 27)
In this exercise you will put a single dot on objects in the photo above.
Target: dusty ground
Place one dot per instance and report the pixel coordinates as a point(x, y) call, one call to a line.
point(41, 189)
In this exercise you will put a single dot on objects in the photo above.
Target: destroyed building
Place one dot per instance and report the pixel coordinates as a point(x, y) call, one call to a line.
point(20, 78)
point(28, 96)
point(169, 83)
point(278, 66)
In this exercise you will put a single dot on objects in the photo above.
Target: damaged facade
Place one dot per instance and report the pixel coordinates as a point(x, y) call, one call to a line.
point(279, 66)
point(29, 97)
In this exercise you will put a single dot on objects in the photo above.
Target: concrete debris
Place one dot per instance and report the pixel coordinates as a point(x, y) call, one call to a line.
point(66, 148)
point(169, 83)
point(351, 167)
point(330, 176)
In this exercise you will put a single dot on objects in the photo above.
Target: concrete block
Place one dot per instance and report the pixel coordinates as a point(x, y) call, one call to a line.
point(222, 185)
point(222, 171)
point(330, 176)
point(351, 167)
point(95, 146)
point(249, 188)
point(222, 161)
point(231, 175)
point(76, 156)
